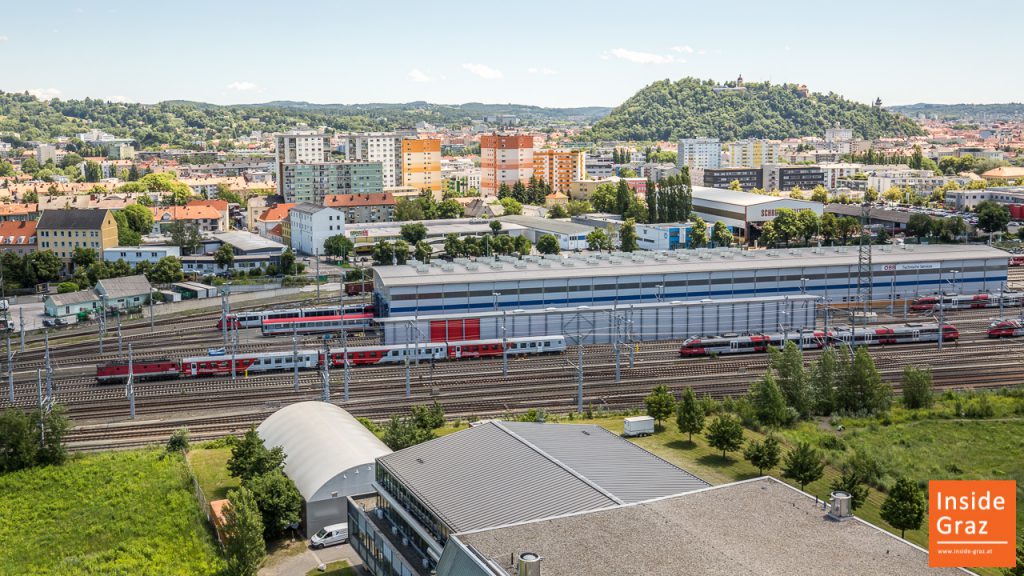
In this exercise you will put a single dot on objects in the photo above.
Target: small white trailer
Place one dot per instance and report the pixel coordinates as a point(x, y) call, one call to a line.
point(637, 426)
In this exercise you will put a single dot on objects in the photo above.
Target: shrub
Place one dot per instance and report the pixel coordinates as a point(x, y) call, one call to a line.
point(178, 441)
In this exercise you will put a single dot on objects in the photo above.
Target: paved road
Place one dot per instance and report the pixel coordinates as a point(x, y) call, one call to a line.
point(299, 559)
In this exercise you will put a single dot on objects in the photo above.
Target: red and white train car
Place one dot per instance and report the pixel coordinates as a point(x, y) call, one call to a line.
point(1006, 329)
point(151, 369)
point(965, 301)
point(320, 325)
point(810, 339)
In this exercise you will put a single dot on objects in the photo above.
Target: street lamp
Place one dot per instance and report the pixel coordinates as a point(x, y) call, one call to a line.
point(661, 291)
point(803, 285)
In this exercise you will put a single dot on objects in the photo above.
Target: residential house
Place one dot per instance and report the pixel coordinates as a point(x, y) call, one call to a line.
point(206, 218)
point(221, 206)
point(64, 230)
point(18, 212)
point(360, 208)
point(311, 225)
point(125, 292)
point(271, 218)
point(18, 237)
point(71, 304)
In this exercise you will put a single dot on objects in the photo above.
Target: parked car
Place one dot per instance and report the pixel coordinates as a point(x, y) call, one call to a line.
point(54, 322)
point(330, 535)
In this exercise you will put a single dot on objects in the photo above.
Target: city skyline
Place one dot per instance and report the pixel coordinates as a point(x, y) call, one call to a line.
point(546, 55)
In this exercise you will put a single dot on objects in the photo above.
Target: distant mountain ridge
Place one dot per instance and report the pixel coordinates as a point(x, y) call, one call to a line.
point(962, 111)
point(691, 107)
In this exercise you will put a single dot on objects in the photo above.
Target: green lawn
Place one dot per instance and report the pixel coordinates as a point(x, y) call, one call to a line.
point(210, 468)
point(339, 568)
point(115, 513)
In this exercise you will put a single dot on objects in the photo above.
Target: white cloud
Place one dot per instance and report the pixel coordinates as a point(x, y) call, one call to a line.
point(542, 71)
point(117, 98)
point(642, 57)
point(484, 71)
point(44, 93)
point(242, 86)
point(418, 76)
point(3, 39)
point(681, 49)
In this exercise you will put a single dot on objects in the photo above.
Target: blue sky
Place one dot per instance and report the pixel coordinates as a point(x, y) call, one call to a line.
point(549, 53)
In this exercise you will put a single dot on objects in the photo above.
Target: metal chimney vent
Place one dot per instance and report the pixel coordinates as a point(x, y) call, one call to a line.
point(529, 564)
point(841, 505)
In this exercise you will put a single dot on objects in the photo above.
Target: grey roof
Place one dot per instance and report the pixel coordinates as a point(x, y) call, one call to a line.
point(91, 219)
point(548, 225)
point(309, 208)
point(676, 262)
point(124, 286)
point(873, 213)
point(247, 241)
point(499, 473)
point(758, 526)
point(70, 298)
point(740, 198)
point(320, 441)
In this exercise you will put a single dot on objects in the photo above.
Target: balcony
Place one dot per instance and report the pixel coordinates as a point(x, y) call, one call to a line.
point(386, 544)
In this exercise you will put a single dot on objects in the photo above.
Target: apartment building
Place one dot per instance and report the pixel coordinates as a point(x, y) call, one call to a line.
point(779, 177)
point(421, 164)
point(311, 225)
point(382, 147)
point(314, 181)
point(748, 178)
point(504, 159)
point(61, 231)
point(752, 153)
point(18, 236)
point(206, 219)
point(559, 168)
point(359, 208)
point(299, 147)
point(699, 153)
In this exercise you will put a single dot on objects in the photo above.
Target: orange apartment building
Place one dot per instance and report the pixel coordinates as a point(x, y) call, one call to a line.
point(504, 159)
point(559, 168)
point(421, 164)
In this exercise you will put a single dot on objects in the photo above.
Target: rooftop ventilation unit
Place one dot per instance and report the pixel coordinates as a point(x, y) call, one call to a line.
point(520, 264)
point(462, 261)
point(840, 505)
point(544, 264)
point(568, 262)
point(528, 565)
point(472, 266)
point(448, 267)
point(615, 260)
point(497, 266)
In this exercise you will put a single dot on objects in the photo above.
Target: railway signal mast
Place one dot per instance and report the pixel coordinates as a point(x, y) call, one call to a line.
point(325, 371)
point(129, 387)
point(864, 272)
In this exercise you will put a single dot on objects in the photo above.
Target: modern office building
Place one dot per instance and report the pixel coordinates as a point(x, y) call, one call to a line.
point(699, 153)
point(421, 164)
point(299, 147)
point(752, 153)
point(749, 178)
point(504, 159)
point(598, 166)
point(559, 168)
point(312, 182)
point(784, 178)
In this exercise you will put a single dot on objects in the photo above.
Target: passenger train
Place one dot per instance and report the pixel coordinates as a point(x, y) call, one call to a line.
point(965, 301)
point(316, 324)
point(1006, 329)
point(812, 339)
point(255, 318)
point(164, 369)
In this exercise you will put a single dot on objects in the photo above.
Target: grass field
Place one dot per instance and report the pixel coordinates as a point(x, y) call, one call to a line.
point(339, 568)
point(210, 467)
point(117, 513)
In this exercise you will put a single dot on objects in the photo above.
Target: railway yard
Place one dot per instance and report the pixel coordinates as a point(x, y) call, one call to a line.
point(470, 388)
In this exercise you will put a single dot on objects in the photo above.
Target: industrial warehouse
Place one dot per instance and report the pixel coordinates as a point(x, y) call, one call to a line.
point(596, 279)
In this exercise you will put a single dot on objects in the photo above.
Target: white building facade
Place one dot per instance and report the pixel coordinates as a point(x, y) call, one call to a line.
point(699, 153)
point(299, 146)
point(311, 225)
point(383, 147)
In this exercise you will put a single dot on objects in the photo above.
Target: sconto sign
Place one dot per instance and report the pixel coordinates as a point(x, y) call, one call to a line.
point(972, 523)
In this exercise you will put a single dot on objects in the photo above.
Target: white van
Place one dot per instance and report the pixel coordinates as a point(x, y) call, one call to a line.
point(330, 535)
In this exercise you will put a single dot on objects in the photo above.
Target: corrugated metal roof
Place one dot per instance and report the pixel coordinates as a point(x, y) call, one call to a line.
point(70, 298)
point(124, 286)
point(502, 472)
point(321, 441)
point(609, 461)
point(485, 476)
point(548, 225)
point(247, 241)
point(741, 198)
point(677, 262)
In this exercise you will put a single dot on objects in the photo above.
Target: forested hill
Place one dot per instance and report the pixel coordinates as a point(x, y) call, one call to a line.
point(180, 123)
point(691, 108)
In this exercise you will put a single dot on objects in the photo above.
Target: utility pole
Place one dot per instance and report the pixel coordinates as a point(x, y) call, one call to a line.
point(224, 312)
point(864, 272)
point(344, 368)
point(325, 372)
point(316, 255)
point(119, 355)
point(942, 322)
point(630, 337)
point(504, 344)
point(151, 310)
point(234, 351)
point(579, 368)
point(408, 374)
point(617, 330)
point(129, 388)
point(103, 321)
point(295, 359)
point(21, 325)
point(49, 367)
point(10, 368)
point(42, 403)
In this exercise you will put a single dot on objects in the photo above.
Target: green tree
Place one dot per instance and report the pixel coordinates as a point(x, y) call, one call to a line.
point(224, 256)
point(251, 458)
point(449, 209)
point(18, 440)
point(453, 245)
point(698, 233)
point(627, 236)
point(828, 226)
point(660, 403)
point(548, 244)
point(558, 211)
point(428, 417)
point(401, 433)
point(789, 366)
point(689, 414)
point(851, 482)
point(65, 287)
point(605, 198)
point(862, 391)
point(495, 226)
point(45, 267)
point(577, 207)
point(339, 246)
point(512, 206)
point(919, 225)
point(992, 216)
point(178, 442)
point(725, 433)
point(6, 169)
point(825, 375)
point(413, 232)
point(185, 235)
point(139, 218)
point(423, 251)
point(904, 507)
point(406, 209)
point(803, 465)
point(721, 235)
point(83, 257)
point(125, 235)
point(819, 194)
point(93, 172)
point(809, 224)
point(278, 500)
point(598, 240)
point(287, 261)
point(166, 271)
point(768, 402)
point(243, 533)
point(917, 387)
point(736, 186)
point(55, 426)
point(522, 245)
point(763, 455)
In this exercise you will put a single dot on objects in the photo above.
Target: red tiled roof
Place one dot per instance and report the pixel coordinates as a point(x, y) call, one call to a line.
point(186, 213)
point(17, 209)
point(277, 230)
point(218, 205)
point(276, 213)
point(17, 233)
point(352, 200)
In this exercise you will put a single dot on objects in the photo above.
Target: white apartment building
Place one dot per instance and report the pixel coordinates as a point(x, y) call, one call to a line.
point(383, 147)
point(834, 171)
point(299, 146)
point(311, 225)
point(699, 153)
point(838, 134)
point(46, 152)
point(135, 254)
point(752, 153)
